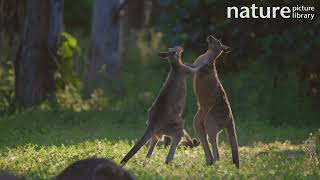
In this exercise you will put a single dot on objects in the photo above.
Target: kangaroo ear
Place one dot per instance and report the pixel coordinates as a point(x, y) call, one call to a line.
point(163, 55)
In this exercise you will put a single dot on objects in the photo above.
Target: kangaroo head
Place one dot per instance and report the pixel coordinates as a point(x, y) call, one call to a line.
point(216, 45)
point(173, 55)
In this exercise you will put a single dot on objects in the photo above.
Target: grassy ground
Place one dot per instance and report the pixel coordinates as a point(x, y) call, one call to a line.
point(39, 145)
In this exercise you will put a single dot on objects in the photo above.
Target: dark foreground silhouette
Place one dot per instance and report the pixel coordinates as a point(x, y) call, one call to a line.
point(94, 169)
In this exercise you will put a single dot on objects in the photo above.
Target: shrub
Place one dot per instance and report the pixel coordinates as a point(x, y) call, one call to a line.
point(70, 99)
point(311, 148)
point(65, 74)
point(7, 98)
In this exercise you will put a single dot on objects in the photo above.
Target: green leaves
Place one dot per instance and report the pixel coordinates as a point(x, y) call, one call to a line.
point(311, 149)
point(67, 48)
point(255, 39)
point(7, 96)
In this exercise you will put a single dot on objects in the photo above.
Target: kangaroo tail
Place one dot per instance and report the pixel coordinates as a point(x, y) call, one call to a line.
point(143, 140)
point(231, 131)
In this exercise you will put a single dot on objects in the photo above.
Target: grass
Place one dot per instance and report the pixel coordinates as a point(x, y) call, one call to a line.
point(39, 145)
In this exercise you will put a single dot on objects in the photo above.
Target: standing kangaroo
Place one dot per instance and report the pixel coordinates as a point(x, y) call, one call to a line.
point(214, 112)
point(164, 115)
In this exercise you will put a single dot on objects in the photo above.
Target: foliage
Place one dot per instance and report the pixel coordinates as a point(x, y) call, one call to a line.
point(70, 98)
point(68, 84)
point(277, 99)
point(278, 42)
point(190, 21)
point(317, 135)
point(7, 98)
point(148, 44)
point(312, 149)
point(7, 90)
point(65, 74)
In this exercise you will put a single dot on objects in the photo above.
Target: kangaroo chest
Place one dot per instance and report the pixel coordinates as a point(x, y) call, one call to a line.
point(169, 105)
point(173, 95)
point(209, 90)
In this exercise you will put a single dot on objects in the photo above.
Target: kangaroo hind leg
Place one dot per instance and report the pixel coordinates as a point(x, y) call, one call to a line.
point(152, 145)
point(213, 129)
point(231, 131)
point(198, 124)
point(174, 143)
point(214, 145)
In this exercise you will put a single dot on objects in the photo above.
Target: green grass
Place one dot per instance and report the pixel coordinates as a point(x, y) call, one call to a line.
point(39, 145)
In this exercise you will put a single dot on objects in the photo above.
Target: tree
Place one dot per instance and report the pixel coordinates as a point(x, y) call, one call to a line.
point(132, 21)
point(104, 45)
point(135, 14)
point(34, 65)
point(11, 17)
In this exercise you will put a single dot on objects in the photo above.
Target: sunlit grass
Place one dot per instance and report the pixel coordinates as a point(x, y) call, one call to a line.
point(262, 161)
point(39, 145)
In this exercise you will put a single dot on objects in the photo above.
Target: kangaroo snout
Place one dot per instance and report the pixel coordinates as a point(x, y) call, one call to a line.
point(172, 53)
point(226, 49)
point(210, 38)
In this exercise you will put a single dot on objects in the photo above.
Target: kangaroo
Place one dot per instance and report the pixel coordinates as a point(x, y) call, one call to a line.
point(94, 169)
point(164, 115)
point(214, 111)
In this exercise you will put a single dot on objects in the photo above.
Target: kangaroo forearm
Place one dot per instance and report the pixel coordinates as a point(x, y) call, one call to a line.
point(190, 68)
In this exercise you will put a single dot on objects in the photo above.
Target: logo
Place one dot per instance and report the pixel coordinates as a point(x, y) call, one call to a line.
point(256, 12)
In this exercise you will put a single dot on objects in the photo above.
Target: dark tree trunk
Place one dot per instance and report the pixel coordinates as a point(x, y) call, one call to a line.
point(56, 19)
point(154, 12)
point(11, 22)
point(1, 21)
point(135, 14)
point(132, 21)
point(104, 50)
point(34, 66)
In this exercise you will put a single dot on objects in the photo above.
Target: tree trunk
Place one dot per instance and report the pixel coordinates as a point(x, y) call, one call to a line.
point(104, 47)
point(1, 21)
point(11, 17)
point(34, 66)
point(135, 14)
point(132, 21)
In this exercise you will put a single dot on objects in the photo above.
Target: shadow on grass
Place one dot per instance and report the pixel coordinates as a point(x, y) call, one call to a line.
point(57, 128)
